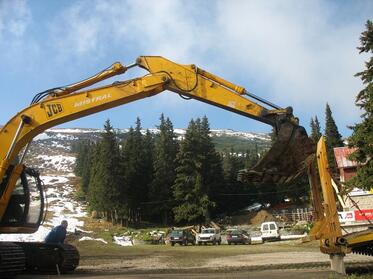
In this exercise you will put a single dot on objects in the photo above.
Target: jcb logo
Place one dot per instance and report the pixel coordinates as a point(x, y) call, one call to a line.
point(53, 109)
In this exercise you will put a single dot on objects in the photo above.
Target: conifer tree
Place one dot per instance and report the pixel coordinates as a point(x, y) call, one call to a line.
point(362, 136)
point(137, 172)
point(212, 168)
point(86, 168)
point(105, 179)
point(198, 174)
point(81, 149)
point(332, 136)
point(164, 170)
point(315, 129)
point(96, 188)
point(83, 165)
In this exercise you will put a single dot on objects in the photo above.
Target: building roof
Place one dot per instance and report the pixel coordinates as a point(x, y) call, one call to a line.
point(341, 154)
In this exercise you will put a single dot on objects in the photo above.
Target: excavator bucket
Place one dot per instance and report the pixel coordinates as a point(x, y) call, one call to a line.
point(288, 158)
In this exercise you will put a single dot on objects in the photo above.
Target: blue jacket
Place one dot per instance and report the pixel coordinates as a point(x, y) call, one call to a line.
point(56, 235)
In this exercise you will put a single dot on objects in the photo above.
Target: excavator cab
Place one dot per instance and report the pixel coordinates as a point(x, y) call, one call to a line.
point(25, 209)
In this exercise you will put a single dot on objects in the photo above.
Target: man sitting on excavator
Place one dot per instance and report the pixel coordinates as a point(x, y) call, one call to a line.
point(57, 234)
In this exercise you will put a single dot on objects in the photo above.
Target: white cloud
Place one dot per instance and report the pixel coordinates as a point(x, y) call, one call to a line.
point(15, 17)
point(17, 47)
point(74, 31)
point(295, 50)
point(299, 53)
point(163, 27)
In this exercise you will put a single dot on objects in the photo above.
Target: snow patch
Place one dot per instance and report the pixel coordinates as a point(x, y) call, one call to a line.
point(59, 162)
point(123, 240)
point(84, 238)
point(50, 180)
point(73, 130)
point(42, 136)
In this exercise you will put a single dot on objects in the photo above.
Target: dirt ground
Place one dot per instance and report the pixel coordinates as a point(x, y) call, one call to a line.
point(263, 274)
point(241, 261)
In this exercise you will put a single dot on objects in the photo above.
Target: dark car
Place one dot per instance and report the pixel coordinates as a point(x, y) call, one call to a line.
point(183, 237)
point(238, 237)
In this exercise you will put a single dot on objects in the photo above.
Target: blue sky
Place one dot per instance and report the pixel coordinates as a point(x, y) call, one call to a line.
point(293, 53)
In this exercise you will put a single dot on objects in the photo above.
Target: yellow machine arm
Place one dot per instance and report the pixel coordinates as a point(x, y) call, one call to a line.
point(60, 105)
point(326, 227)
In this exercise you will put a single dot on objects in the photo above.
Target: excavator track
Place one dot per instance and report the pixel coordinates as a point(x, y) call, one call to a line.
point(50, 258)
point(363, 249)
point(12, 259)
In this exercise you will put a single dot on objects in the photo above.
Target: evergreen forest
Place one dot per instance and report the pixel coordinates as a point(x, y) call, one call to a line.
point(156, 178)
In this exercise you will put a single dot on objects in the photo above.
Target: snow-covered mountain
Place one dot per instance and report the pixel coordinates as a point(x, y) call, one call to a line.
point(79, 133)
point(65, 138)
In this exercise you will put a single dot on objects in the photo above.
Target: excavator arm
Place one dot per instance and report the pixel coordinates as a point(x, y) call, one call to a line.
point(61, 105)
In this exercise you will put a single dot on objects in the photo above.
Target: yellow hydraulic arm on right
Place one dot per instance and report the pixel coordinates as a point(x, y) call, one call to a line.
point(327, 228)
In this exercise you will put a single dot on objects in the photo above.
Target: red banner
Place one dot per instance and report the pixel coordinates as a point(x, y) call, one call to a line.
point(364, 214)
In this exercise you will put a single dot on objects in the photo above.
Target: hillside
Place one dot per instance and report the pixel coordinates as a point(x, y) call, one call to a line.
point(223, 139)
point(51, 153)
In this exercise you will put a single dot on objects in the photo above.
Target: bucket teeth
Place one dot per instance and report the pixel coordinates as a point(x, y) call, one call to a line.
point(366, 250)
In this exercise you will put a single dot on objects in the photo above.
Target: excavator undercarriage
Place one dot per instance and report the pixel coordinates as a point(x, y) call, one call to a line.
point(37, 257)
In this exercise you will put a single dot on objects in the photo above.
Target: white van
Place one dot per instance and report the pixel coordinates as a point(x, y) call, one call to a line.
point(270, 231)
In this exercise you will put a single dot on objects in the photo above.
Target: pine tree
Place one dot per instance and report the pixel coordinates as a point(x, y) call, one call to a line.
point(198, 174)
point(332, 135)
point(333, 138)
point(315, 129)
point(81, 151)
point(212, 168)
point(362, 136)
point(86, 168)
point(164, 170)
point(137, 169)
point(96, 188)
point(105, 178)
point(83, 165)
point(184, 188)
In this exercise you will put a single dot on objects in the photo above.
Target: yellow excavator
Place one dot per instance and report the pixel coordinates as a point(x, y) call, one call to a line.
point(21, 193)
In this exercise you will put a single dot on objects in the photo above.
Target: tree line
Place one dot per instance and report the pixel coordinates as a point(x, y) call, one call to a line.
point(157, 178)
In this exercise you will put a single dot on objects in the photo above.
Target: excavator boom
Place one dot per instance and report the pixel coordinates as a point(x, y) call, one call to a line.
point(284, 162)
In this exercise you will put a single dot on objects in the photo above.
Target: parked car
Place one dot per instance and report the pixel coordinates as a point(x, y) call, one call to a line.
point(181, 236)
point(270, 231)
point(209, 235)
point(236, 236)
point(256, 207)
